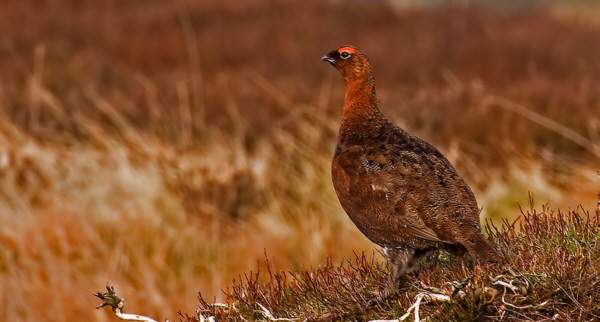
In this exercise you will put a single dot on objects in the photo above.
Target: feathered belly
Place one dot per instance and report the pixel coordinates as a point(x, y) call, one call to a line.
point(386, 208)
point(370, 204)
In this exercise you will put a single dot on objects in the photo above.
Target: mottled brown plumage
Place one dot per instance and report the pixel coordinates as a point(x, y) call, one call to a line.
point(399, 190)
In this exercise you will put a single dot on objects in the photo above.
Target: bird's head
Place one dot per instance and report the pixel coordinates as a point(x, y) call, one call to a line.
point(350, 62)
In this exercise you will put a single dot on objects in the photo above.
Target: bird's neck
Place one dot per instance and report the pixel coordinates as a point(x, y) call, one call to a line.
point(360, 103)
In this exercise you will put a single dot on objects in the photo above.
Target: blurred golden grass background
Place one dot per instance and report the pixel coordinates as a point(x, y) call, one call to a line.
point(163, 146)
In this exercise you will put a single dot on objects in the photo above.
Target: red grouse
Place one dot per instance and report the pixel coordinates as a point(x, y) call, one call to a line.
point(399, 190)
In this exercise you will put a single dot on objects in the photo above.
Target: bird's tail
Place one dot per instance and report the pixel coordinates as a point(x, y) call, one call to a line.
point(478, 246)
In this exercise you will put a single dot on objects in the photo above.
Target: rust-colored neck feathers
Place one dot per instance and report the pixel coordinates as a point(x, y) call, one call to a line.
point(360, 99)
point(360, 102)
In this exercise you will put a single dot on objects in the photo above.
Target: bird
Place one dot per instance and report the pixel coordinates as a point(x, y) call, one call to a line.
point(399, 190)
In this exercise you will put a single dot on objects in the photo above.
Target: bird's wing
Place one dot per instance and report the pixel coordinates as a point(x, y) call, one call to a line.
point(416, 227)
point(410, 191)
point(393, 185)
point(367, 181)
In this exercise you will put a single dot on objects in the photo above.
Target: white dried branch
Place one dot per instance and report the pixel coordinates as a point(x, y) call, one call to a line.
point(507, 285)
point(210, 318)
point(134, 317)
point(525, 307)
point(263, 310)
point(425, 296)
point(207, 319)
point(111, 299)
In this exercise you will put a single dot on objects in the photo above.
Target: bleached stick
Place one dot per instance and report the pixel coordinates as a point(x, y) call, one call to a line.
point(111, 299)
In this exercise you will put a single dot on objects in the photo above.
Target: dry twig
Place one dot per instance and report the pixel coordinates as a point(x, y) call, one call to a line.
point(263, 310)
point(428, 297)
point(111, 299)
point(545, 122)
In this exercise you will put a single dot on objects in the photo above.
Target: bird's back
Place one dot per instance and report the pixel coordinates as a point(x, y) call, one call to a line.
point(399, 190)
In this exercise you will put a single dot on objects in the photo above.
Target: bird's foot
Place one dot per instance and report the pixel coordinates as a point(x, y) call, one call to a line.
point(390, 290)
point(381, 296)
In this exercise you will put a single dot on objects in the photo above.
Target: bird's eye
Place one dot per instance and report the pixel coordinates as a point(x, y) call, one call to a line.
point(345, 55)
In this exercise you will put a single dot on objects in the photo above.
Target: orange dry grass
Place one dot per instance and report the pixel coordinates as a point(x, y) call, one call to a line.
point(163, 146)
point(153, 220)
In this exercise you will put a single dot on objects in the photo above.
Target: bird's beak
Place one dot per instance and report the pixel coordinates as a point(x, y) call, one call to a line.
point(328, 59)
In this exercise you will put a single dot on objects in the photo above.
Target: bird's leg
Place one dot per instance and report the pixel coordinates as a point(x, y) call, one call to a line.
point(400, 261)
point(415, 261)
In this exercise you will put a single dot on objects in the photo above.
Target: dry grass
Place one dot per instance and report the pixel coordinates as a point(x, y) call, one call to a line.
point(163, 146)
point(153, 220)
point(549, 272)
